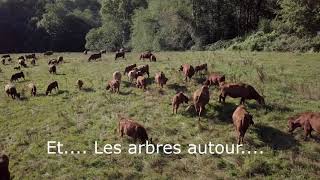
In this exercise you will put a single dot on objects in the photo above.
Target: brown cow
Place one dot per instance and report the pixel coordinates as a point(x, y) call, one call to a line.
point(114, 86)
point(308, 120)
point(80, 84)
point(129, 68)
point(94, 57)
point(214, 79)
point(177, 100)
point(51, 86)
point(242, 119)
point(201, 98)
point(120, 54)
point(11, 90)
point(133, 129)
point(60, 60)
point(160, 79)
point(53, 69)
point(141, 82)
point(146, 55)
point(153, 58)
point(4, 167)
point(117, 76)
point(132, 75)
point(188, 71)
point(202, 67)
point(236, 90)
point(22, 62)
point(33, 89)
point(143, 69)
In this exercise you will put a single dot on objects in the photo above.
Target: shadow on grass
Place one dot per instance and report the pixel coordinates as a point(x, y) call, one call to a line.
point(59, 92)
point(88, 89)
point(275, 138)
point(177, 87)
point(269, 107)
point(60, 74)
point(125, 93)
point(127, 84)
point(41, 94)
point(222, 112)
point(199, 79)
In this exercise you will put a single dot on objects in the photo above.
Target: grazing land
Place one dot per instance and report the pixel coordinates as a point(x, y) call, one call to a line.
point(290, 83)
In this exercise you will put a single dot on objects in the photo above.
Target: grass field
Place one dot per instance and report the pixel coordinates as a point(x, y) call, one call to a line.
point(290, 83)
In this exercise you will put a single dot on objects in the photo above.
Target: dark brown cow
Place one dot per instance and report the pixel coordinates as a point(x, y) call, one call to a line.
point(201, 98)
point(133, 129)
point(103, 51)
point(51, 86)
point(188, 71)
point(48, 53)
point(94, 57)
point(129, 68)
point(143, 69)
point(309, 121)
point(11, 90)
point(53, 69)
point(242, 119)
point(160, 79)
point(33, 89)
point(22, 63)
point(146, 55)
point(114, 86)
point(214, 79)
point(141, 82)
point(17, 76)
point(80, 84)
point(178, 99)
point(4, 167)
point(31, 56)
point(119, 55)
point(153, 58)
point(202, 67)
point(236, 90)
point(60, 60)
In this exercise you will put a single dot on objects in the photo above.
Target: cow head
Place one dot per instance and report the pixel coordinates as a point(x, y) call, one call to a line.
point(292, 124)
point(108, 87)
point(181, 68)
point(18, 95)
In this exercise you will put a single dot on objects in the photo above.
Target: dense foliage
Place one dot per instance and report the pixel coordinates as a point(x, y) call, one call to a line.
point(73, 25)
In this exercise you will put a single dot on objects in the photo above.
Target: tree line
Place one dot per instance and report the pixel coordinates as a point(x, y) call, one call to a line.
point(75, 25)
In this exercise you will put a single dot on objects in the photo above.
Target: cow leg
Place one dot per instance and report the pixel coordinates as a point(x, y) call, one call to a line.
point(307, 130)
point(242, 100)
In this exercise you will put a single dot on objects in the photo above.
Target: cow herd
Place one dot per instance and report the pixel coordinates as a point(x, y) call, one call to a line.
point(242, 119)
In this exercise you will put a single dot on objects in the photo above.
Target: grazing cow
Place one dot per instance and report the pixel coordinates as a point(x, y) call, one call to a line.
point(133, 129)
point(117, 76)
point(310, 121)
point(214, 79)
point(85, 52)
point(202, 67)
point(242, 119)
point(11, 90)
point(4, 167)
point(177, 100)
point(51, 86)
point(188, 71)
point(141, 82)
point(94, 57)
point(6, 56)
point(143, 69)
point(160, 79)
point(53, 69)
point(236, 90)
point(153, 58)
point(103, 51)
point(120, 54)
point(114, 86)
point(48, 53)
point(17, 76)
point(80, 84)
point(132, 75)
point(3, 61)
point(129, 68)
point(146, 55)
point(53, 62)
point(31, 56)
point(17, 68)
point(22, 62)
point(33, 62)
point(21, 57)
point(201, 98)
point(60, 60)
point(33, 89)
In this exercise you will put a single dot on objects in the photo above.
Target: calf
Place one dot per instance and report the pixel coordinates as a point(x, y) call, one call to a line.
point(242, 119)
point(129, 68)
point(188, 71)
point(120, 54)
point(52, 69)
point(94, 57)
point(214, 79)
point(236, 90)
point(310, 121)
point(202, 67)
point(141, 82)
point(177, 100)
point(22, 62)
point(17, 76)
point(133, 129)
point(114, 86)
point(201, 98)
point(33, 89)
point(80, 84)
point(31, 56)
point(143, 69)
point(11, 90)
point(146, 55)
point(4, 167)
point(48, 53)
point(51, 86)
point(117, 76)
point(161, 79)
